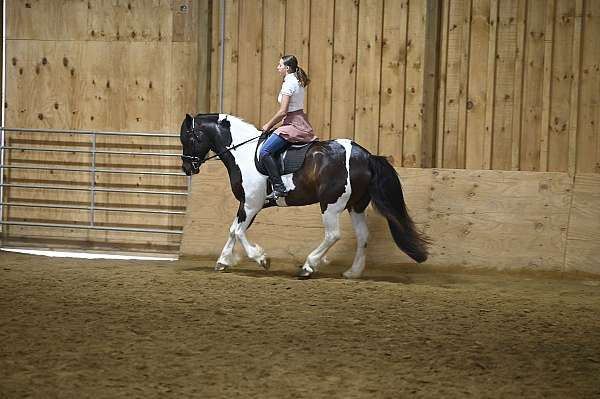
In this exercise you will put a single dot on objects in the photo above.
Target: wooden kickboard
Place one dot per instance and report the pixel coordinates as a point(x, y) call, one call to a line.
point(475, 219)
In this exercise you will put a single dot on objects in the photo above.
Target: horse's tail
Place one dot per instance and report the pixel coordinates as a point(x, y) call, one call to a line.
point(388, 200)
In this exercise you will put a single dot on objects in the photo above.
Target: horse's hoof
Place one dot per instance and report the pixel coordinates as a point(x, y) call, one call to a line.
point(265, 263)
point(350, 275)
point(220, 267)
point(304, 274)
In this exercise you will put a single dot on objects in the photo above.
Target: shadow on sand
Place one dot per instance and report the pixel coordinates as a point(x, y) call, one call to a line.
point(399, 274)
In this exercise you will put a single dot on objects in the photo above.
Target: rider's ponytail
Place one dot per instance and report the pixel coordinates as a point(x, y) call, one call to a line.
point(292, 62)
point(302, 77)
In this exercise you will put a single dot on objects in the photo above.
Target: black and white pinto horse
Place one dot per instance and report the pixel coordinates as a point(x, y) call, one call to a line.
point(337, 174)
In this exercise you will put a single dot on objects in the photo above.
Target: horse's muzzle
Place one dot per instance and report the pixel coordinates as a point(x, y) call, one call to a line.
point(190, 165)
point(190, 169)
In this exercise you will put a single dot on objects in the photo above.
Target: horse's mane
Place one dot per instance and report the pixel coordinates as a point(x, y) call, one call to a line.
point(241, 127)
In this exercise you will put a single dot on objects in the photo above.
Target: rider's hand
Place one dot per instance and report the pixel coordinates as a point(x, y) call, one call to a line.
point(265, 127)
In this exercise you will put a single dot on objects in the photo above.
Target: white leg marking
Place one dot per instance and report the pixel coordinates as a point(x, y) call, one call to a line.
point(359, 222)
point(237, 232)
point(227, 256)
point(254, 251)
point(331, 221)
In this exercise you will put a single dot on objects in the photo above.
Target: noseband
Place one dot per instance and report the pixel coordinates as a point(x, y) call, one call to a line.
point(196, 161)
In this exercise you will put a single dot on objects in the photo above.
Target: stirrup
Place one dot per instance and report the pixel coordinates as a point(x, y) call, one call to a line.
point(277, 194)
point(278, 190)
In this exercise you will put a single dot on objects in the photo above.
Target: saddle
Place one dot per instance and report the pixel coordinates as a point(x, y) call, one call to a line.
point(289, 160)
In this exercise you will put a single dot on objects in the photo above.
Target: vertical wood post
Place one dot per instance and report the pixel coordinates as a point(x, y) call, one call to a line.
point(518, 96)
point(430, 82)
point(490, 102)
point(204, 54)
point(216, 51)
point(463, 87)
point(547, 85)
point(441, 93)
point(577, 34)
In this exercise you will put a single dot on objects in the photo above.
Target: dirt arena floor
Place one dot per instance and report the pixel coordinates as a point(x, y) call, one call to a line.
point(73, 328)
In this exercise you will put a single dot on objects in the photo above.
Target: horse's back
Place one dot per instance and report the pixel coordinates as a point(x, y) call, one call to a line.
point(327, 167)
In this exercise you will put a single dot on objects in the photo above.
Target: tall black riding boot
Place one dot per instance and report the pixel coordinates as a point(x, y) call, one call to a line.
point(270, 165)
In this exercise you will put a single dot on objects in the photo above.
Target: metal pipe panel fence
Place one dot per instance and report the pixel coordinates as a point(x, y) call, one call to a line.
point(92, 170)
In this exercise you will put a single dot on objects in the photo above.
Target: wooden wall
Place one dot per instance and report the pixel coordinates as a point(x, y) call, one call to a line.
point(2, 50)
point(359, 55)
point(130, 66)
point(476, 84)
point(507, 220)
point(519, 85)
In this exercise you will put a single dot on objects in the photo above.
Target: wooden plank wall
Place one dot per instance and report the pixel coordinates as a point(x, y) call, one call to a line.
point(583, 245)
point(359, 56)
point(519, 85)
point(508, 220)
point(515, 87)
point(103, 65)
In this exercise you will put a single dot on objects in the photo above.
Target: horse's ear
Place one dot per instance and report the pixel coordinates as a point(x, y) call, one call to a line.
point(188, 119)
point(225, 123)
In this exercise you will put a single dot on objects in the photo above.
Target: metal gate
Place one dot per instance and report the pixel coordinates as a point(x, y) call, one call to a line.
point(93, 170)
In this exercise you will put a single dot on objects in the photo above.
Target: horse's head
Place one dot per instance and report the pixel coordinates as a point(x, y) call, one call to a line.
point(199, 135)
point(196, 145)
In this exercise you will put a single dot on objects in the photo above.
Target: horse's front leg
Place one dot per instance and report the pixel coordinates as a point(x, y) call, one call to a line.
point(228, 258)
point(237, 231)
point(246, 217)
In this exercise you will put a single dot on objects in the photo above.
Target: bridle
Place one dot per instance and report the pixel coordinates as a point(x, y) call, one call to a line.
point(196, 161)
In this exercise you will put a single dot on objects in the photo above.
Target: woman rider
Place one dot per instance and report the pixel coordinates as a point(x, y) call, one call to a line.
point(295, 127)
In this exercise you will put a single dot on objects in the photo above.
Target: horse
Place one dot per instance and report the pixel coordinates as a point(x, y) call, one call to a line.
point(338, 174)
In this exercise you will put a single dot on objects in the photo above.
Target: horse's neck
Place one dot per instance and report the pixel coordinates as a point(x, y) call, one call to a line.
point(241, 131)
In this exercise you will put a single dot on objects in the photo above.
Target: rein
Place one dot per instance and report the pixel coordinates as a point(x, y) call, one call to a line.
point(197, 162)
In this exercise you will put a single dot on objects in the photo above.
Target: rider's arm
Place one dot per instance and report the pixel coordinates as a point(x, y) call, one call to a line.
point(279, 115)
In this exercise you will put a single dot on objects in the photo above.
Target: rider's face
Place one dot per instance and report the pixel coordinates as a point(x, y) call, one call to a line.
point(282, 69)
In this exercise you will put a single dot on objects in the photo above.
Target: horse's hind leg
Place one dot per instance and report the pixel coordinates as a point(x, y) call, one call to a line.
point(331, 221)
point(359, 222)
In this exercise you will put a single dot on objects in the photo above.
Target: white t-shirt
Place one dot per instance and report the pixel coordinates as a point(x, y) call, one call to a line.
point(291, 87)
